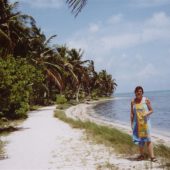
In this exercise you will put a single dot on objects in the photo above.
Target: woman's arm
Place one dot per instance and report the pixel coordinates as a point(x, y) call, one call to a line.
point(131, 113)
point(148, 103)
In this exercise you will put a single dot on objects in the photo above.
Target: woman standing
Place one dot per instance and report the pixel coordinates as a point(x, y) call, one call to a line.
point(140, 123)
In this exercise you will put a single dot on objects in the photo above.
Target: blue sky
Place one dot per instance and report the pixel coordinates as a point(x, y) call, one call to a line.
point(128, 38)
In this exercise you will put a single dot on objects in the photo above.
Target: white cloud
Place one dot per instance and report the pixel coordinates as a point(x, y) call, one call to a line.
point(120, 41)
point(43, 3)
point(149, 3)
point(115, 19)
point(158, 20)
point(134, 71)
point(154, 28)
point(78, 44)
point(93, 28)
point(148, 71)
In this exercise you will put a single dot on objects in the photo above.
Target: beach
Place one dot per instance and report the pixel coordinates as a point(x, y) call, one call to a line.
point(46, 143)
point(84, 85)
point(81, 112)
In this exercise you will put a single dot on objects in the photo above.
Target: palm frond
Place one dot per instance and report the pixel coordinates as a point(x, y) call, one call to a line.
point(49, 39)
point(55, 77)
point(74, 76)
point(60, 69)
point(76, 6)
point(43, 54)
point(5, 37)
point(12, 6)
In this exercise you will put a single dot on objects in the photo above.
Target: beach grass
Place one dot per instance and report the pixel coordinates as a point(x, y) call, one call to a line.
point(1, 148)
point(63, 106)
point(107, 165)
point(7, 126)
point(163, 152)
point(35, 107)
point(112, 137)
point(121, 141)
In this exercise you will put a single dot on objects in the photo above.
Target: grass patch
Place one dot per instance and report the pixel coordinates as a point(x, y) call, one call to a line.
point(1, 148)
point(121, 142)
point(107, 165)
point(35, 107)
point(63, 106)
point(66, 105)
point(7, 126)
point(164, 152)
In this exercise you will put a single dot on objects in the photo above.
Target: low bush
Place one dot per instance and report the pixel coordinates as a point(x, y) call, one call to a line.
point(60, 99)
point(16, 79)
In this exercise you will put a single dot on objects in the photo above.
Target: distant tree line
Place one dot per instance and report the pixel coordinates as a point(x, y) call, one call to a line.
point(33, 72)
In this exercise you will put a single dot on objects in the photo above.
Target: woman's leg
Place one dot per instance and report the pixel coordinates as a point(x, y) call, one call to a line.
point(150, 149)
point(141, 156)
point(141, 149)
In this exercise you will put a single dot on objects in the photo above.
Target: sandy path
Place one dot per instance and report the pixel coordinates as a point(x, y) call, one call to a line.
point(48, 143)
point(30, 148)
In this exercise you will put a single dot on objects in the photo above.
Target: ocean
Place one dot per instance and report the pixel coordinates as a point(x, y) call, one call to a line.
point(118, 110)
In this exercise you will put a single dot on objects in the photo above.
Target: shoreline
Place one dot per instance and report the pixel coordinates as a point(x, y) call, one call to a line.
point(81, 112)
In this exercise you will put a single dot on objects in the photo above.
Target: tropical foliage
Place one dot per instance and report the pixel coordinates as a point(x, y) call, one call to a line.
point(33, 72)
point(17, 80)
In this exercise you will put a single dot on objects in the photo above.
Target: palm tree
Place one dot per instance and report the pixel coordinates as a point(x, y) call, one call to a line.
point(104, 84)
point(76, 5)
point(46, 58)
point(92, 76)
point(70, 75)
point(80, 69)
point(14, 29)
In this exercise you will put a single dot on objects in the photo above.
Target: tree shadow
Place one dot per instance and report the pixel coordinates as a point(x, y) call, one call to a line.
point(11, 129)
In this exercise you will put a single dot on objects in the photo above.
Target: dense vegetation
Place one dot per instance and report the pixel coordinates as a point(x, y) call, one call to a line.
point(34, 72)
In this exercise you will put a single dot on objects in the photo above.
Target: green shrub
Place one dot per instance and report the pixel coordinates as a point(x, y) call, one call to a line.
point(72, 102)
point(95, 94)
point(60, 99)
point(16, 79)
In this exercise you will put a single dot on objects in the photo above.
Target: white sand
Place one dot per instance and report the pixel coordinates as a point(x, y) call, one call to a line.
point(48, 143)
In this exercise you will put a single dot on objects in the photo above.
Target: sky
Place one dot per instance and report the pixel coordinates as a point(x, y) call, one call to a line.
point(130, 39)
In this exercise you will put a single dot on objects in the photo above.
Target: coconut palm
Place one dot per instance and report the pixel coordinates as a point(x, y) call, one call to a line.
point(80, 68)
point(47, 59)
point(104, 84)
point(14, 29)
point(92, 77)
point(70, 77)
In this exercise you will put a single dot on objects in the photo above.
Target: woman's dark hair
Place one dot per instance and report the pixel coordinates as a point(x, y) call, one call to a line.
point(139, 88)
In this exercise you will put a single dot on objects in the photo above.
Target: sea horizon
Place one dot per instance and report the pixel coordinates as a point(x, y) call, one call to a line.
point(147, 91)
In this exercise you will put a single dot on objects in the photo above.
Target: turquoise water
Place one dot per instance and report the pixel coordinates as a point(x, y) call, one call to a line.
point(118, 110)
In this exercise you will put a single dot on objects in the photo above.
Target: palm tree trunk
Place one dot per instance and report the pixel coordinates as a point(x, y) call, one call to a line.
point(77, 94)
